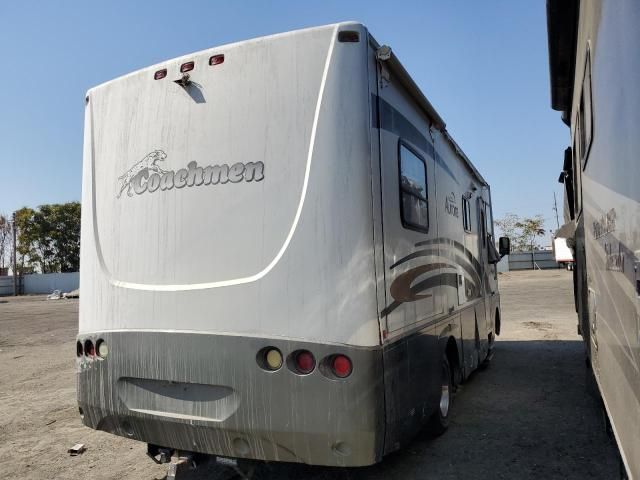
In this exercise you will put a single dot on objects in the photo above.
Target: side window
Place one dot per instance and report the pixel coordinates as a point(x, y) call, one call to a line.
point(414, 206)
point(466, 214)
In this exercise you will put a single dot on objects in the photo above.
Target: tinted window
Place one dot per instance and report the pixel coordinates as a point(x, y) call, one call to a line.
point(466, 214)
point(413, 190)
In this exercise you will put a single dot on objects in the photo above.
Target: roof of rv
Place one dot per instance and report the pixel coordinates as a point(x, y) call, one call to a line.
point(416, 93)
point(188, 56)
point(394, 64)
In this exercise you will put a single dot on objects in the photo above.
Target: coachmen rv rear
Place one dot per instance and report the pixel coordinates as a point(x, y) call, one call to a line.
point(285, 256)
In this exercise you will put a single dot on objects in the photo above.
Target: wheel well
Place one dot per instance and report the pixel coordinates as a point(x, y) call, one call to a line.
point(451, 351)
point(497, 322)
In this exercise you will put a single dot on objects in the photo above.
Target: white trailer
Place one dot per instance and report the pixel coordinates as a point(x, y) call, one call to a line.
point(285, 256)
point(562, 253)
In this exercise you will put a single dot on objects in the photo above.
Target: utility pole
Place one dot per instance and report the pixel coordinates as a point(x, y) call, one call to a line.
point(15, 262)
point(555, 207)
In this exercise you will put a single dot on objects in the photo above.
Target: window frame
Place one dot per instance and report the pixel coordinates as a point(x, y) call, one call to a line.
point(405, 223)
point(585, 111)
point(466, 214)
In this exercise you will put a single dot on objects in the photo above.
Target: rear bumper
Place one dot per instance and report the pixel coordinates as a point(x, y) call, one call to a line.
point(206, 393)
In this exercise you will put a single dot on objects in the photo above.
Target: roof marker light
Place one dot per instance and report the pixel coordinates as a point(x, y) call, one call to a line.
point(160, 74)
point(216, 59)
point(348, 36)
point(187, 67)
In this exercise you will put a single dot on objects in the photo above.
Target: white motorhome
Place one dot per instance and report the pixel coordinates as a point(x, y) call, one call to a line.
point(595, 68)
point(285, 256)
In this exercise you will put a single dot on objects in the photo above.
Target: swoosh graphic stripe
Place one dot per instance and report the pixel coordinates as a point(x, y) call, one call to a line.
point(456, 245)
point(447, 279)
point(458, 260)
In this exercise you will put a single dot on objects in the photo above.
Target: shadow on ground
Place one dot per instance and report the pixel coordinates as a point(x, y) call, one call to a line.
point(528, 416)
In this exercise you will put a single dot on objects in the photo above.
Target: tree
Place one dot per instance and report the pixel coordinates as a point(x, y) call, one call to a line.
point(49, 237)
point(523, 232)
point(5, 240)
point(507, 226)
point(531, 228)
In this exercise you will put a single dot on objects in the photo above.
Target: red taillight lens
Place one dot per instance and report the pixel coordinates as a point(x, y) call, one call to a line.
point(216, 60)
point(160, 74)
point(89, 349)
point(186, 67)
point(305, 362)
point(79, 350)
point(341, 366)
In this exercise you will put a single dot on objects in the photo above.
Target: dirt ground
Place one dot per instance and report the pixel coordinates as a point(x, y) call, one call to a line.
point(528, 416)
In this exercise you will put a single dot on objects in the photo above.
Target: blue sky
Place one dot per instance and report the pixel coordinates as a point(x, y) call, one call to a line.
point(483, 65)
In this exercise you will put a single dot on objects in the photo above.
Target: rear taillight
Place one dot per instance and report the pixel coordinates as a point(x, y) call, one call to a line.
point(79, 349)
point(304, 362)
point(269, 358)
point(89, 348)
point(102, 348)
point(160, 74)
point(341, 366)
point(186, 67)
point(216, 59)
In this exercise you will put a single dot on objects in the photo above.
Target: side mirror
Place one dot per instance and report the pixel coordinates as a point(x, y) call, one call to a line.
point(504, 246)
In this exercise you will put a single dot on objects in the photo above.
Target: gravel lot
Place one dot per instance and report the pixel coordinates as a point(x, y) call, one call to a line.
point(528, 416)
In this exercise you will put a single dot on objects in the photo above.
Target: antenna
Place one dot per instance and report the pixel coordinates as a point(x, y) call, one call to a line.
point(555, 208)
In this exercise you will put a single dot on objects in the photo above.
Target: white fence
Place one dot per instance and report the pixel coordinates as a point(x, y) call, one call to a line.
point(42, 283)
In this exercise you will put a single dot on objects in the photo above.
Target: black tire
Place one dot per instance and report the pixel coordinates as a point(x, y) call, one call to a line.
point(439, 421)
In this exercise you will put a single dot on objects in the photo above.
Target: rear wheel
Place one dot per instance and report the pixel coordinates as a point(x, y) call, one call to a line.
point(440, 420)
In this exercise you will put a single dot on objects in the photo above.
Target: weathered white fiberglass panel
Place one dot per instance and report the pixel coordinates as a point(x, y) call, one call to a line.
point(323, 286)
point(257, 106)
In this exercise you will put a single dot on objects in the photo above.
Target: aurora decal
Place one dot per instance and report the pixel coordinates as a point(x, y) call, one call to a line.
point(147, 176)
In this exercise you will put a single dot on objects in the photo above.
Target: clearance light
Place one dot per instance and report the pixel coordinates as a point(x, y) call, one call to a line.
point(103, 349)
point(89, 349)
point(348, 36)
point(160, 74)
point(216, 60)
point(305, 362)
point(273, 359)
point(186, 67)
point(79, 349)
point(341, 366)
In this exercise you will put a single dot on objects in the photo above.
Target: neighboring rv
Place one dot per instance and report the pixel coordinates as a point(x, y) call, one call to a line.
point(285, 256)
point(595, 68)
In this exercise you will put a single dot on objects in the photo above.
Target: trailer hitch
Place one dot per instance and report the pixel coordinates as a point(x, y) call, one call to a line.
point(178, 460)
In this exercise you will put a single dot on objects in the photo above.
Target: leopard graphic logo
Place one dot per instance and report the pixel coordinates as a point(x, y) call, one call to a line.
point(148, 163)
